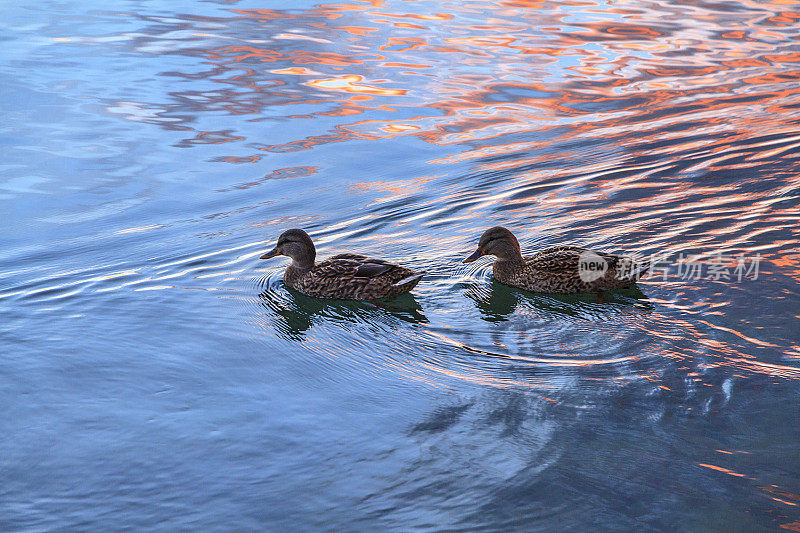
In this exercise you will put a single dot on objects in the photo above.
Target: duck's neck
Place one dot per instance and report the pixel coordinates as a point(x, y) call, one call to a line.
point(507, 263)
point(510, 255)
point(503, 269)
point(295, 271)
point(303, 259)
point(299, 267)
point(303, 263)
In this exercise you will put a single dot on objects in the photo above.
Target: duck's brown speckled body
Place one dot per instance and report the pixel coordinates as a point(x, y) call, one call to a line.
point(344, 276)
point(560, 269)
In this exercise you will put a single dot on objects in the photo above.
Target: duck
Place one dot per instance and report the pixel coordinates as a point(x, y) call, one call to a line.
point(559, 269)
point(345, 276)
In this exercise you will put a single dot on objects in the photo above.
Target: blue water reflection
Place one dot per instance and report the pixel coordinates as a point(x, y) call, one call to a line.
point(155, 374)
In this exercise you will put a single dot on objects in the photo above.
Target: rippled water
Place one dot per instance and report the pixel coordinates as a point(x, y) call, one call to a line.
point(155, 374)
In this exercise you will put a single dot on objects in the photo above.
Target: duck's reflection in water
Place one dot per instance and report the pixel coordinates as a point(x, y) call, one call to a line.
point(497, 302)
point(295, 313)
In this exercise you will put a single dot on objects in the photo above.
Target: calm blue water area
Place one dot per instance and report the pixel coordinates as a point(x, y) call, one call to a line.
point(155, 374)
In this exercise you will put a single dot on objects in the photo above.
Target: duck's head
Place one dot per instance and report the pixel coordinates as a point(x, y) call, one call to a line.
point(497, 241)
point(294, 243)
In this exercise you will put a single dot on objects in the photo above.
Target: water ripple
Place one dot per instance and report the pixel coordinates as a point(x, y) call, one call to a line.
point(156, 154)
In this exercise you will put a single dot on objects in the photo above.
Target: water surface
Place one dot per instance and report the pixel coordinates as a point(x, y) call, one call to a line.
point(155, 374)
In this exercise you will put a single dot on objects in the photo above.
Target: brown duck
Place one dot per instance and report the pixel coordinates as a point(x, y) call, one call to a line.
point(344, 276)
point(560, 269)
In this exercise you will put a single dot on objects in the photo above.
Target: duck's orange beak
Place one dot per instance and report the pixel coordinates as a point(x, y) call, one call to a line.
point(475, 255)
point(271, 254)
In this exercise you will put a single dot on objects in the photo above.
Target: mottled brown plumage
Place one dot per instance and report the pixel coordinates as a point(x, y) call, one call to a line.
point(560, 269)
point(344, 276)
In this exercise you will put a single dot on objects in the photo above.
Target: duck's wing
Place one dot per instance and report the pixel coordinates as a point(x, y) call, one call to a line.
point(560, 258)
point(356, 276)
point(565, 260)
point(365, 267)
point(353, 257)
point(563, 263)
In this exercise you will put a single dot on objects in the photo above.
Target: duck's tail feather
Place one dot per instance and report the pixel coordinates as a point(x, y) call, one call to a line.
point(414, 278)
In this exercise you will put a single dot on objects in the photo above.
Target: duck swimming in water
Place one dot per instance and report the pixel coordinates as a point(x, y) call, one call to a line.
point(560, 269)
point(344, 276)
